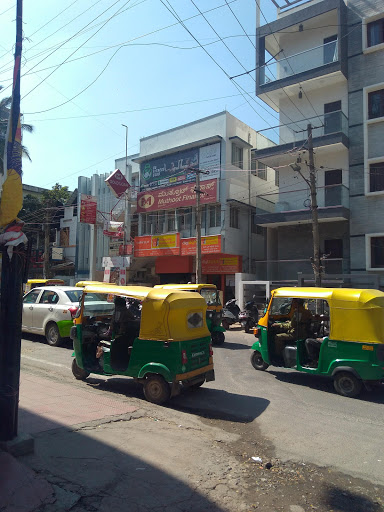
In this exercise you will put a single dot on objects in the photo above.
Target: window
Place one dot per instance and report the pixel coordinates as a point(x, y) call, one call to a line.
point(215, 216)
point(376, 177)
point(376, 104)
point(31, 297)
point(49, 297)
point(146, 224)
point(255, 228)
point(377, 251)
point(158, 220)
point(185, 218)
point(333, 248)
point(234, 217)
point(330, 49)
point(375, 32)
point(171, 220)
point(237, 156)
point(258, 168)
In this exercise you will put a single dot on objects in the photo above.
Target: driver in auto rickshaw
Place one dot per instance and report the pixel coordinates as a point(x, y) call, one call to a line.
point(296, 327)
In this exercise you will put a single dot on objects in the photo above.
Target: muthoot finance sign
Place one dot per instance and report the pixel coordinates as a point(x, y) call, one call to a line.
point(175, 197)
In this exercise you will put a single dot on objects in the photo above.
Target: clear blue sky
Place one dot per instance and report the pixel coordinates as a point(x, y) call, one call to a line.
point(156, 65)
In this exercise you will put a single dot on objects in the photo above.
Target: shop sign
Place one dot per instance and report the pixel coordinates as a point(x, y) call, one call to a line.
point(107, 275)
point(175, 197)
point(221, 264)
point(117, 183)
point(209, 161)
point(123, 276)
point(159, 245)
point(88, 209)
point(126, 249)
point(209, 245)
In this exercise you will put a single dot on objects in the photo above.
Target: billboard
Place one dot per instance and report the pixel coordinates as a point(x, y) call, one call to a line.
point(157, 245)
point(209, 245)
point(221, 264)
point(88, 209)
point(117, 183)
point(175, 197)
point(178, 168)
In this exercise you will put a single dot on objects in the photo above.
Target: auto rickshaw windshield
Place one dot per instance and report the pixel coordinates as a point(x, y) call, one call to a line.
point(211, 296)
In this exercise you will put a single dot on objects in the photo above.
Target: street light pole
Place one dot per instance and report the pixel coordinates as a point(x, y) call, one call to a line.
point(128, 175)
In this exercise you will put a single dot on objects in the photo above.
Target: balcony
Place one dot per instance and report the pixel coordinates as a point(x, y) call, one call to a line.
point(294, 207)
point(329, 133)
point(301, 47)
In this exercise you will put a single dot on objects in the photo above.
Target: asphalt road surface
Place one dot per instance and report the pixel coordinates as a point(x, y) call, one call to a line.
point(301, 415)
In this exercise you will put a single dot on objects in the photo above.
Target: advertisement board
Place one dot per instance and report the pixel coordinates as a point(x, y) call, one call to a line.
point(209, 245)
point(157, 245)
point(88, 209)
point(221, 264)
point(114, 229)
point(175, 197)
point(178, 168)
point(117, 183)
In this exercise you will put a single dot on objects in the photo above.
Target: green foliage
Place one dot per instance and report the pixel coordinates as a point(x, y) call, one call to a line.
point(58, 194)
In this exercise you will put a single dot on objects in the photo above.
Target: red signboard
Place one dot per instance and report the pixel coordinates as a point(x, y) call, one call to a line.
point(160, 245)
point(117, 183)
point(88, 209)
point(221, 264)
point(209, 245)
point(174, 197)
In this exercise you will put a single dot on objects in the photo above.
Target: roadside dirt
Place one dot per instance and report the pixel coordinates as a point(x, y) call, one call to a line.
point(271, 485)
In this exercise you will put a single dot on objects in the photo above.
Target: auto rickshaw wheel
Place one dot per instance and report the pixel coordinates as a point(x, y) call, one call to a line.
point(78, 372)
point(346, 384)
point(217, 338)
point(156, 389)
point(258, 362)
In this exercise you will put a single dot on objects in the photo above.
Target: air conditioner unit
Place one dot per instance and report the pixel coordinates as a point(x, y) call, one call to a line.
point(54, 244)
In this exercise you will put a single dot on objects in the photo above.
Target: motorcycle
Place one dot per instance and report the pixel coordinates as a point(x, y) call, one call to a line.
point(250, 316)
point(230, 314)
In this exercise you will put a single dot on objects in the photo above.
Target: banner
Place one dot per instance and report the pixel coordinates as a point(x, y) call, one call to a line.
point(12, 190)
point(157, 245)
point(209, 245)
point(221, 264)
point(209, 161)
point(175, 197)
point(88, 209)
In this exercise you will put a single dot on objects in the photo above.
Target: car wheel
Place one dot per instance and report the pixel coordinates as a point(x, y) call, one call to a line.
point(225, 324)
point(78, 372)
point(157, 389)
point(52, 335)
point(217, 338)
point(258, 362)
point(346, 384)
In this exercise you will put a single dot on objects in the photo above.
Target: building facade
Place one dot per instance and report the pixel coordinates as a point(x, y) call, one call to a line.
point(219, 149)
point(319, 66)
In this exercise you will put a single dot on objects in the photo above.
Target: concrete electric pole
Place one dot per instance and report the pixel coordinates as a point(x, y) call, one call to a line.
point(315, 216)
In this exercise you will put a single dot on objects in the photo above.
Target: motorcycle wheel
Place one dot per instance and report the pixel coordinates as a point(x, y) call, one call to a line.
point(225, 324)
point(247, 327)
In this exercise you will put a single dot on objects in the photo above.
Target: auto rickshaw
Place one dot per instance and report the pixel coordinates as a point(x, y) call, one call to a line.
point(343, 336)
point(81, 284)
point(33, 283)
point(214, 307)
point(166, 346)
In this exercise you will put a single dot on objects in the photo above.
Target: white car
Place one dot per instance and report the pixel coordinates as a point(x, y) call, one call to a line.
point(50, 310)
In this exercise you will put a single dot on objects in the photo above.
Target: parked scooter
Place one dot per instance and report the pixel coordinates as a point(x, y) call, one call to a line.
point(250, 316)
point(231, 313)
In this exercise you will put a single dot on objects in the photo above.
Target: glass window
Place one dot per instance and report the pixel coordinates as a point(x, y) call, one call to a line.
point(258, 168)
point(281, 306)
point(377, 252)
point(158, 219)
point(215, 216)
point(146, 224)
point(49, 297)
point(171, 221)
point(31, 297)
point(375, 32)
point(237, 156)
point(330, 49)
point(185, 218)
point(376, 104)
point(74, 295)
point(333, 248)
point(211, 296)
point(376, 177)
point(234, 217)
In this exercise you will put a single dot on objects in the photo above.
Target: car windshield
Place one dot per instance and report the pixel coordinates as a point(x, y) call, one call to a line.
point(74, 295)
point(211, 296)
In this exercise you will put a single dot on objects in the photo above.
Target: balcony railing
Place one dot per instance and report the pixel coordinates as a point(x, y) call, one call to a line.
point(298, 63)
point(323, 124)
point(299, 200)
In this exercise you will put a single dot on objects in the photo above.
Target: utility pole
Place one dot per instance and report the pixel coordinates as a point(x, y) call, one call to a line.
point(128, 175)
point(315, 216)
point(46, 244)
point(198, 228)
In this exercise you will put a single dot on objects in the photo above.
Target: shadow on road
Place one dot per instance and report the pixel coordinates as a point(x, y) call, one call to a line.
point(234, 346)
point(341, 500)
point(376, 395)
point(67, 343)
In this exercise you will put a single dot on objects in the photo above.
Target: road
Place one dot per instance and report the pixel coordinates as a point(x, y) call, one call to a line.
point(301, 415)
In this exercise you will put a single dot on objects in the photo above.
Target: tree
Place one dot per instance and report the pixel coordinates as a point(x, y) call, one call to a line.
point(5, 109)
point(58, 194)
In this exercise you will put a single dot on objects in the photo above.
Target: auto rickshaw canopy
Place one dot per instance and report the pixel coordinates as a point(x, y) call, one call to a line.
point(81, 284)
point(189, 286)
point(356, 315)
point(166, 315)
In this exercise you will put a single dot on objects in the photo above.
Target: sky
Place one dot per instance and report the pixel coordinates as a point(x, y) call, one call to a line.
point(89, 66)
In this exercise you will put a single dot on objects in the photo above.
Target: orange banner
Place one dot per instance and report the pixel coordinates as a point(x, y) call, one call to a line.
point(209, 245)
point(221, 264)
point(157, 245)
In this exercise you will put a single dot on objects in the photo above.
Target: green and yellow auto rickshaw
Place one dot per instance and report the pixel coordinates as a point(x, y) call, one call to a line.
point(159, 337)
point(214, 306)
point(335, 332)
